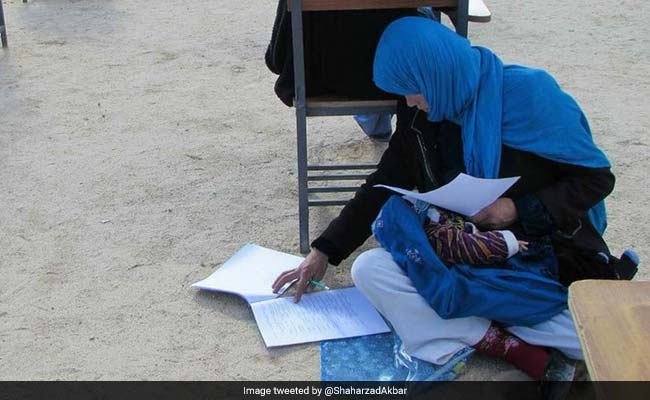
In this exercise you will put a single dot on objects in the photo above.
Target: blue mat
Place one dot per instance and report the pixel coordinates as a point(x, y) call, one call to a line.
point(382, 358)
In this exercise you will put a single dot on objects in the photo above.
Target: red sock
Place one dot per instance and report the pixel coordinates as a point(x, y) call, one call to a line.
point(501, 344)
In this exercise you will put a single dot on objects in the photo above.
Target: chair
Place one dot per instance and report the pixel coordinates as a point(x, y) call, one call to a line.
point(3, 28)
point(323, 106)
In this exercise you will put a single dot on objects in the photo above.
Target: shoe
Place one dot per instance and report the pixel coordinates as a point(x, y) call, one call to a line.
point(582, 374)
point(627, 266)
point(558, 376)
point(624, 268)
point(381, 138)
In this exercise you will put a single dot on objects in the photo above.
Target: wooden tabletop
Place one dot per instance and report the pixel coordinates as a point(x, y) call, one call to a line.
point(613, 323)
point(477, 10)
point(331, 5)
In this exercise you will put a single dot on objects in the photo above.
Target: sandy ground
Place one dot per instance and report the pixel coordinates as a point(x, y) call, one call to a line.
point(141, 145)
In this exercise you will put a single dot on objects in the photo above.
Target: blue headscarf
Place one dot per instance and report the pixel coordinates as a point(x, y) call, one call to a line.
point(520, 107)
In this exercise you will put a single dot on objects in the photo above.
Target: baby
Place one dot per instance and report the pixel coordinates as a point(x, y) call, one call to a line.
point(457, 241)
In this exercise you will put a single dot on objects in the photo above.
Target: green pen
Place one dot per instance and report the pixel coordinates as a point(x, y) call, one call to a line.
point(318, 284)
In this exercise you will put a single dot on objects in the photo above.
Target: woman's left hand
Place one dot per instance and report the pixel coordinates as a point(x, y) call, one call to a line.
point(498, 215)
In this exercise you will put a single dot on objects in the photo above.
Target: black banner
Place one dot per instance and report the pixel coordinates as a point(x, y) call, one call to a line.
point(324, 390)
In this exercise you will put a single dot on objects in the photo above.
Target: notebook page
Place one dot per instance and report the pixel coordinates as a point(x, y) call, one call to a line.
point(324, 315)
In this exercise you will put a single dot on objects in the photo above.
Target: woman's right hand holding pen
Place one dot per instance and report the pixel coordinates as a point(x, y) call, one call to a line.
point(313, 267)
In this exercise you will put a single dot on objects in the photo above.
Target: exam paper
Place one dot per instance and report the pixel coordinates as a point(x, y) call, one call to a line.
point(250, 273)
point(465, 195)
point(324, 315)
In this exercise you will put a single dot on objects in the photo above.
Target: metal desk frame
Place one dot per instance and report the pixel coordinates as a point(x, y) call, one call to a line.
point(305, 108)
point(3, 27)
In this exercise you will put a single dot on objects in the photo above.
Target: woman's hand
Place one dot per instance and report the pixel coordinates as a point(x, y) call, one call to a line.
point(313, 267)
point(498, 215)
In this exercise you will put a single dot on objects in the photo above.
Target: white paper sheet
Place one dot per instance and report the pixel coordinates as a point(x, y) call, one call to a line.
point(325, 315)
point(250, 273)
point(465, 195)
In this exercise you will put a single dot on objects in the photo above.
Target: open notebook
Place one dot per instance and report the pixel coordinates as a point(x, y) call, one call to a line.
point(324, 315)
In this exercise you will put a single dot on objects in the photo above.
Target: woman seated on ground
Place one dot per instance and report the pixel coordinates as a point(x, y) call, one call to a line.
point(470, 113)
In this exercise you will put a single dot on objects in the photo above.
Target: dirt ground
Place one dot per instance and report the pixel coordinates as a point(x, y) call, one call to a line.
point(141, 144)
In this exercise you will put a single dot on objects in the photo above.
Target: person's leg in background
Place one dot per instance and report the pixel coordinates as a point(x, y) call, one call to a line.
point(376, 126)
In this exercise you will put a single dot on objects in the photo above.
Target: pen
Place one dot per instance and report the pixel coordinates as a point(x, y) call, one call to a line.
point(318, 284)
point(287, 288)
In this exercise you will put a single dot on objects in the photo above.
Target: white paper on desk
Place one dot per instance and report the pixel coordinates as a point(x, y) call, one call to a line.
point(465, 195)
point(324, 315)
point(250, 273)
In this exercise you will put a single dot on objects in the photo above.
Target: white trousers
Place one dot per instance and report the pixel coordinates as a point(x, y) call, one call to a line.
point(425, 334)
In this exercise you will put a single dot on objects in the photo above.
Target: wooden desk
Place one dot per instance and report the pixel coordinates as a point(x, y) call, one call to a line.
point(613, 323)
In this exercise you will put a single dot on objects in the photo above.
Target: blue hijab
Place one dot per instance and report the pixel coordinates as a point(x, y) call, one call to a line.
point(522, 108)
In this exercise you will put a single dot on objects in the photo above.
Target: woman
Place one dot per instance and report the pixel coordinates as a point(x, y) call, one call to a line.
point(469, 113)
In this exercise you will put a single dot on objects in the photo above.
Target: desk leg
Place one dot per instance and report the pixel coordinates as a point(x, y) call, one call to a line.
point(301, 123)
point(3, 28)
point(462, 16)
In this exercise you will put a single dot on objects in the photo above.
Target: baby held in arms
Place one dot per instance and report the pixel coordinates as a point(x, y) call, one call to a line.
point(457, 241)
